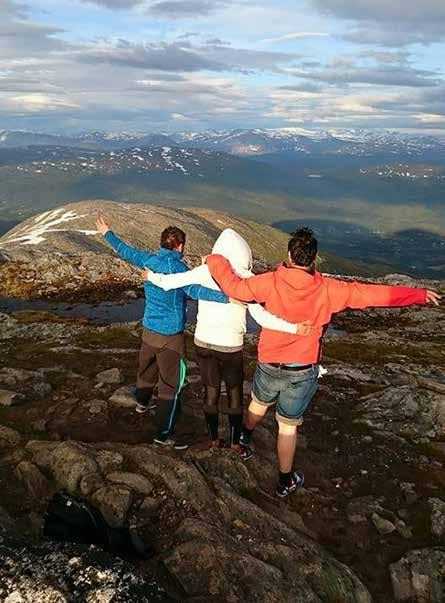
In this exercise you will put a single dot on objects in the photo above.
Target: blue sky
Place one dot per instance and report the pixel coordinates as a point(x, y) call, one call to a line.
point(167, 65)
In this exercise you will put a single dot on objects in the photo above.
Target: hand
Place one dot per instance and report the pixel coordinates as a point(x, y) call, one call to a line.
point(237, 302)
point(146, 274)
point(432, 297)
point(101, 225)
point(305, 328)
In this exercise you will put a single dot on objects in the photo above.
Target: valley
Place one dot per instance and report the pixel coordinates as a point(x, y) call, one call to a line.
point(375, 199)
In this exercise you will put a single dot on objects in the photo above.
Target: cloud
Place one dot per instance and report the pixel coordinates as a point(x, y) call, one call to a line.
point(26, 84)
point(344, 71)
point(12, 8)
point(180, 117)
point(162, 57)
point(386, 56)
point(178, 9)
point(428, 102)
point(395, 23)
point(115, 4)
point(382, 10)
point(185, 57)
point(165, 78)
point(217, 42)
point(295, 36)
point(20, 37)
point(38, 102)
point(166, 9)
point(375, 35)
point(309, 87)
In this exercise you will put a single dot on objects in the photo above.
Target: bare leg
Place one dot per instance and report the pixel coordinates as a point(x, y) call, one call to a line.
point(255, 415)
point(286, 446)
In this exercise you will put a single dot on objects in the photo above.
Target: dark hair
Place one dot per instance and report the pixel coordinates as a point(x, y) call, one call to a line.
point(172, 237)
point(303, 247)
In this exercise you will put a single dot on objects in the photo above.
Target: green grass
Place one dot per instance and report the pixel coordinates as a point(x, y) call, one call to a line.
point(380, 353)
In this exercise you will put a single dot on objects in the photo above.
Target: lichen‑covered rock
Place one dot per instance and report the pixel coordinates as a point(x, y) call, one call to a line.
point(56, 573)
point(8, 437)
point(419, 576)
point(70, 462)
point(437, 519)
point(214, 541)
point(406, 411)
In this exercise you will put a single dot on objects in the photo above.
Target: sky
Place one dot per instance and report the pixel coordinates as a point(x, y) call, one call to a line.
point(182, 65)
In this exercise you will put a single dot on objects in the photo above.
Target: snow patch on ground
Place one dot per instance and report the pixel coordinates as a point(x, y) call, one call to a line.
point(34, 233)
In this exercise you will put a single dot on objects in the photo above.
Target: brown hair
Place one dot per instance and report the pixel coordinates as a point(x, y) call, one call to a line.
point(303, 247)
point(172, 237)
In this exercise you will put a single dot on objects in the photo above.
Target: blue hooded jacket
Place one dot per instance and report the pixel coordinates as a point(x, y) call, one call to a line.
point(165, 311)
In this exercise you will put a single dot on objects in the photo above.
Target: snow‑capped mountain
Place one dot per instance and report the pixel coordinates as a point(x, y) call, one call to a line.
point(89, 140)
point(124, 140)
point(296, 140)
point(194, 163)
point(245, 142)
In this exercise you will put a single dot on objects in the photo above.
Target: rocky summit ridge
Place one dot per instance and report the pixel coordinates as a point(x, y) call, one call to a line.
point(59, 253)
point(368, 526)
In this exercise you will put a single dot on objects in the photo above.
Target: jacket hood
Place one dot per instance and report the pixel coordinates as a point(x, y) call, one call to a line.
point(299, 284)
point(234, 248)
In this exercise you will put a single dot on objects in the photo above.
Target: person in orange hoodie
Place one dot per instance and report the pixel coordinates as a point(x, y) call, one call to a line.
point(287, 371)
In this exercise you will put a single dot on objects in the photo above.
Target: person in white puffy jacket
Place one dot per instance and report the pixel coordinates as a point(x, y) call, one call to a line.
point(219, 336)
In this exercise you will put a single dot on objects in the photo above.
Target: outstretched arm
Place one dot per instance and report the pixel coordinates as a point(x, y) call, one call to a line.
point(270, 321)
point(255, 288)
point(360, 295)
point(136, 257)
point(206, 294)
point(177, 280)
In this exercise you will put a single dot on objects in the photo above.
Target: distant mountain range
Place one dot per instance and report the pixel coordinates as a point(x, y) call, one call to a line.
point(245, 142)
point(173, 160)
point(373, 197)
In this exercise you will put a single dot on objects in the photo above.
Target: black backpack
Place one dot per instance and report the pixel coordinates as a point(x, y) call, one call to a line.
point(71, 519)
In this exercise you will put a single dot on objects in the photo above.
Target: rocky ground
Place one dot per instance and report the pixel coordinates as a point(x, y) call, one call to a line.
point(368, 526)
point(59, 254)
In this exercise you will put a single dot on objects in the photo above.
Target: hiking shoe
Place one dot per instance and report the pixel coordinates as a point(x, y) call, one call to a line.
point(244, 452)
point(169, 443)
point(245, 439)
point(142, 408)
point(296, 481)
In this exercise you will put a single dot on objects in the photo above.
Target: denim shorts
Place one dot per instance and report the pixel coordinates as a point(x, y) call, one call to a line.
point(291, 391)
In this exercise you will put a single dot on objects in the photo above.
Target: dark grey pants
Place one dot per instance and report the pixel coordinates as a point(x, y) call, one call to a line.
point(161, 364)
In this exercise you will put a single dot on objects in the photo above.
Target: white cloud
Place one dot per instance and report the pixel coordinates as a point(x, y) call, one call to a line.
point(40, 102)
point(395, 23)
point(295, 36)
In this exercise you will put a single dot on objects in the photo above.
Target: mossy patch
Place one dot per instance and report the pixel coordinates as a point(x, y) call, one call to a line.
point(34, 316)
point(115, 337)
point(380, 353)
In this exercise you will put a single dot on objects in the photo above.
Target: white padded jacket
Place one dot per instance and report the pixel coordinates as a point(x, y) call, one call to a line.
point(223, 325)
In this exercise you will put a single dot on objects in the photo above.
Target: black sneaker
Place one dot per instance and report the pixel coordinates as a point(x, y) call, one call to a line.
point(245, 438)
point(296, 481)
point(169, 443)
point(244, 452)
point(141, 408)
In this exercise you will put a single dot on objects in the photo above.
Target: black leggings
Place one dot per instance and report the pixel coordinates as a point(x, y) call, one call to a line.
point(216, 367)
point(234, 398)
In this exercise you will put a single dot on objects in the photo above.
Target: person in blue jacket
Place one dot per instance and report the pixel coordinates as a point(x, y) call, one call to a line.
point(162, 353)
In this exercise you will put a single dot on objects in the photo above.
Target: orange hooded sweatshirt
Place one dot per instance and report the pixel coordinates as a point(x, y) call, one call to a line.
point(296, 295)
